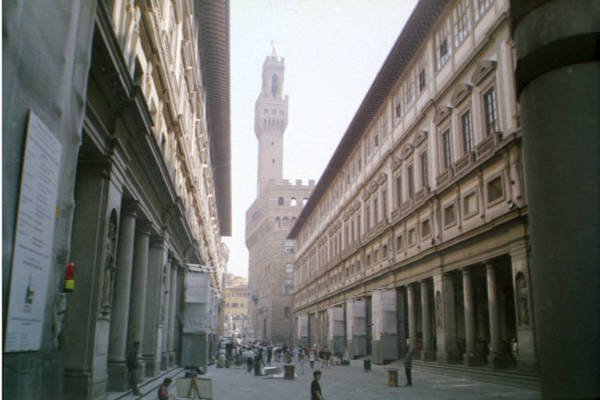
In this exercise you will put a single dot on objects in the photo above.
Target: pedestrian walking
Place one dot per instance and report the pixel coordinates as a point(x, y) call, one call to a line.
point(315, 387)
point(408, 366)
point(132, 366)
point(163, 390)
point(301, 360)
point(311, 358)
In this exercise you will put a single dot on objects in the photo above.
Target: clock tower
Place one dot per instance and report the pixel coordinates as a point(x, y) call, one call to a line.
point(270, 121)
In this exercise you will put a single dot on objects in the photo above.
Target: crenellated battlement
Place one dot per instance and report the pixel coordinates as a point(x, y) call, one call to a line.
point(287, 184)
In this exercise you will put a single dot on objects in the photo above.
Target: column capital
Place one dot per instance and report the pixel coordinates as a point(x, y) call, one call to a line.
point(144, 228)
point(130, 208)
point(157, 241)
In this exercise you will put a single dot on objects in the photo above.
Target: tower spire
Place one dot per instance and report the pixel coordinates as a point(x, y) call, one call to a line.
point(270, 121)
point(273, 51)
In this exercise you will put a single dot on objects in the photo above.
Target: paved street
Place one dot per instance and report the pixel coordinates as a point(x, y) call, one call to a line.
point(352, 382)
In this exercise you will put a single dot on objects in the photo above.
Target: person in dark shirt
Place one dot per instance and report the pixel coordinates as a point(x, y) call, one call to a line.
point(163, 390)
point(315, 387)
point(132, 366)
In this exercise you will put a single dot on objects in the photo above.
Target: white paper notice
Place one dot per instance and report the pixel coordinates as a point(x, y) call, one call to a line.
point(32, 255)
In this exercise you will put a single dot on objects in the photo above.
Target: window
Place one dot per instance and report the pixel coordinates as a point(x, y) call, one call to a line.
point(412, 237)
point(467, 131)
point(424, 169)
point(368, 260)
point(286, 312)
point(442, 44)
point(481, 6)
point(384, 203)
point(399, 190)
point(462, 21)
point(446, 149)
point(289, 268)
point(422, 74)
point(449, 215)
point(384, 251)
point(293, 202)
point(491, 111)
point(470, 204)
point(411, 180)
point(375, 211)
point(397, 107)
point(495, 191)
point(408, 92)
point(399, 243)
point(425, 228)
point(368, 217)
point(375, 256)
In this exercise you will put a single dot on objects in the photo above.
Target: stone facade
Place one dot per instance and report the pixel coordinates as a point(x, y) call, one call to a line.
point(236, 306)
point(420, 231)
point(139, 197)
point(271, 216)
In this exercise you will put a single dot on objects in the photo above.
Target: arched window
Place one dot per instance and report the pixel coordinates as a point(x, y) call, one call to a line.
point(280, 201)
point(274, 85)
point(285, 223)
point(304, 201)
point(293, 202)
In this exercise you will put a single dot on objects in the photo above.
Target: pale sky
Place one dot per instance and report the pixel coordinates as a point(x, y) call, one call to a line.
point(333, 50)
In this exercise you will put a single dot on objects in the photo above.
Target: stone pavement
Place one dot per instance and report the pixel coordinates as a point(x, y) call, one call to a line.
point(341, 383)
point(353, 382)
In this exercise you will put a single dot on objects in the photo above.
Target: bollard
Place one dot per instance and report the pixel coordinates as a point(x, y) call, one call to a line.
point(367, 365)
point(392, 377)
point(289, 371)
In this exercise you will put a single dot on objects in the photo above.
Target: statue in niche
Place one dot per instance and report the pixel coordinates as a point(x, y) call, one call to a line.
point(165, 294)
point(438, 309)
point(522, 299)
point(109, 265)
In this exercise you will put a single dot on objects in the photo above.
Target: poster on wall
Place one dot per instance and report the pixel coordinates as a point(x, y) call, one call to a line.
point(34, 237)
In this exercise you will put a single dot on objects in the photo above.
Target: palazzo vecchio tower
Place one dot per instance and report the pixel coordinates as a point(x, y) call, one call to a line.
point(272, 215)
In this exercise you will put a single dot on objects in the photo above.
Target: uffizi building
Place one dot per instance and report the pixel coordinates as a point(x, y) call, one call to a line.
point(416, 234)
point(121, 109)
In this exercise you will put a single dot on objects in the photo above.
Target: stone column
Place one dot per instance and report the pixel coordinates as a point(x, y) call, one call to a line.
point(137, 308)
point(428, 354)
point(359, 328)
point(385, 326)
point(447, 349)
point(303, 332)
point(117, 369)
point(166, 307)
point(153, 325)
point(558, 95)
point(494, 317)
point(525, 346)
point(335, 334)
point(471, 358)
point(412, 316)
point(172, 316)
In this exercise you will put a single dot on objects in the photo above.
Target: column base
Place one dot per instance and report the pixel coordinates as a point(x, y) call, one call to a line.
point(450, 356)
point(428, 355)
point(499, 361)
point(164, 361)
point(152, 366)
point(117, 376)
point(170, 359)
point(472, 360)
point(141, 371)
